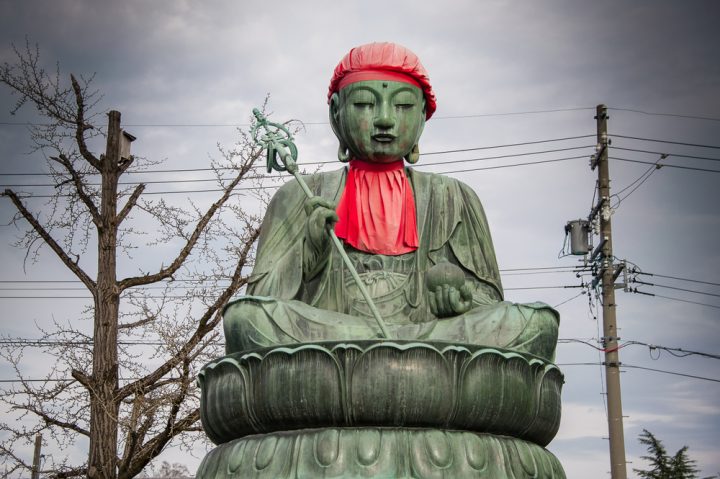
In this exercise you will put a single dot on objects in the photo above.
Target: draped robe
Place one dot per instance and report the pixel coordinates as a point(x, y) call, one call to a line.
point(283, 306)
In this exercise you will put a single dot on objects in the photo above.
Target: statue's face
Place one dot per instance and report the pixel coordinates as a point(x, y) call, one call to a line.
point(379, 121)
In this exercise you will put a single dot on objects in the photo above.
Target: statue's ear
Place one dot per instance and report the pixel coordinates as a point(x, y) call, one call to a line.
point(335, 114)
point(424, 116)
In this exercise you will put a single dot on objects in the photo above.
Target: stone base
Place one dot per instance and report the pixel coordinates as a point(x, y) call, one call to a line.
point(379, 453)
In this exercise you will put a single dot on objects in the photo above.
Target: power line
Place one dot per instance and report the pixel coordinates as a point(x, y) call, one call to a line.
point(245, 125)
point(535, 268)
point(525, 143)
point(684, 352)
point(254, 188)
point(624, 365)
point(638, 182)
point(676, 299)
point(675, 288)
point(665, 165)
point(274, 177)
point(715, 147)
point(439, 152)
point(194, 280)
point(686, 301)
point(674, 351)
point(676, 277)
point(670, 372)
point(677, 115)
point(544, 287)
point(569, 299)
point(512, 165)
point(529, 112)
point(694, 157)
point(208, 295)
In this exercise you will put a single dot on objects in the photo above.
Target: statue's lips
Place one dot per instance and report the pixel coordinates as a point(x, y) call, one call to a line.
point(384, 137)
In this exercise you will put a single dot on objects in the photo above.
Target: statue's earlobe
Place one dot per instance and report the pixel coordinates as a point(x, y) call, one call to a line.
point(414, 155)
point(343, 153)
point(335, 114)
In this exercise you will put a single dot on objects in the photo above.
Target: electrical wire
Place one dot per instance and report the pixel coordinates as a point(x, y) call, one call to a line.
point(254, 188)
point(676, 288)
point(632, 366)
point(677, 352)
point(677, 155)
point(638, 182)
point(544, 287)
point(670, 372)
point(569, 299)
point(245, 125)
point(676, 278)
point(676, 115)
point(665, 165)
point(715, 147)
point(673, 351)
point(439, 152)
point(681, 300)
point(194, 280)
point(208, 295)
point(264, 177)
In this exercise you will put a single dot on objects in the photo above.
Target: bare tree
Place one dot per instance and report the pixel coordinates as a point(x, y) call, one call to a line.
point(167, 471)
point(105, 387)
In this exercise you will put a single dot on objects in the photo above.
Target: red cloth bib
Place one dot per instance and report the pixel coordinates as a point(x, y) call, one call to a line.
point(377, 209)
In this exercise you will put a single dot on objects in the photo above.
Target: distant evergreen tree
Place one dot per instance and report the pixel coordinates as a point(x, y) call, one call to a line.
point(664, 466)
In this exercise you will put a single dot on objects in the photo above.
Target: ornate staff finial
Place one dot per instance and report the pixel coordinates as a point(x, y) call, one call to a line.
point(277, 140)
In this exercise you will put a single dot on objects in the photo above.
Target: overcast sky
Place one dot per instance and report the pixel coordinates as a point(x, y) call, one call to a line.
point(181, 72)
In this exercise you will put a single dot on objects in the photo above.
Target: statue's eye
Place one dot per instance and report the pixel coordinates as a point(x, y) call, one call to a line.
point(404, 101)
point(362, 99)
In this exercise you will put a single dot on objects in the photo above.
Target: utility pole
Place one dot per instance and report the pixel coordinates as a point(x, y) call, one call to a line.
point(36, 457)
point(609, 274)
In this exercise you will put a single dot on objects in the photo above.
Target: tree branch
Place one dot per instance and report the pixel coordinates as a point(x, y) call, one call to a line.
point(149, 450)
point(76, 472)
point(50, 241)
point(51, 421)
point(204, 325)
point(79, 187)
point(157, 443)
point(81, 126)
point(82, 378)
point(131, 202)
point(165, 273)
point(135, 324)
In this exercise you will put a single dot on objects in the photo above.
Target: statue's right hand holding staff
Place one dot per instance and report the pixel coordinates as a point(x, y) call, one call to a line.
point(321, 216)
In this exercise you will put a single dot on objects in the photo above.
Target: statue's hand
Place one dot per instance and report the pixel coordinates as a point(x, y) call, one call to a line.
point(321, 215)
point(448, 292)
point(446, 301)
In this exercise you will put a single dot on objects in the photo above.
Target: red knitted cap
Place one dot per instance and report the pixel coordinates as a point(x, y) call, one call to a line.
point(383, 61)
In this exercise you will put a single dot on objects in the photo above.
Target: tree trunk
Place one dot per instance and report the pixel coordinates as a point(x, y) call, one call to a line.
point(104, 405)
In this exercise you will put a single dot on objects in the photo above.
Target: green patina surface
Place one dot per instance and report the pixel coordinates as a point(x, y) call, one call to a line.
point(381, 383)
point(387, 453)
point(310, 388)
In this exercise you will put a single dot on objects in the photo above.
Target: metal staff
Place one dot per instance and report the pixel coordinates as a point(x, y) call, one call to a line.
point(282, 156)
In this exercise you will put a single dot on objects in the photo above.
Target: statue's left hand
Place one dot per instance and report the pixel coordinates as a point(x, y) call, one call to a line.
point(447, 301)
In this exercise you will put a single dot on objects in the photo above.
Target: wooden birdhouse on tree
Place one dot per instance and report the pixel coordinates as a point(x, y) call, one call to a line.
point(125, 140)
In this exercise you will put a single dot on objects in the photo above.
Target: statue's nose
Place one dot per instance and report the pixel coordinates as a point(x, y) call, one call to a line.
point(385, 117)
